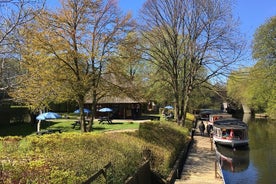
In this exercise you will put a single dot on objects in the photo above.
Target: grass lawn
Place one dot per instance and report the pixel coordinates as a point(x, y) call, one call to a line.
point(65, 124)
point(24, 129)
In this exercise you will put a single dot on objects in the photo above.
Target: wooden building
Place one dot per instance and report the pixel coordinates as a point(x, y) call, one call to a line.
point(122, 107)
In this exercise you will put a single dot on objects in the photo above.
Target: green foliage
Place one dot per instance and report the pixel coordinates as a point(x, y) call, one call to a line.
point(252, 87)
point(237, 86)
point(167, 135)
point(257, 88)
point(74, 157)
point(264, 44)
point(205, 96)
point(64, 53)
point(264, 51)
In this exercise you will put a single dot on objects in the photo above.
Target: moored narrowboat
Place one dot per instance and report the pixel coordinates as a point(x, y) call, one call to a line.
point(230, 132)
point(218, 116)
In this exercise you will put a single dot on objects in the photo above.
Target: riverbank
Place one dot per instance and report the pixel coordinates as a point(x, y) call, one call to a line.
point(200, 164)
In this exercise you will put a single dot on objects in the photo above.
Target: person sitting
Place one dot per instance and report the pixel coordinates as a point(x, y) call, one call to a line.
point(225, 134)
point(170, 116)
point(231, 135)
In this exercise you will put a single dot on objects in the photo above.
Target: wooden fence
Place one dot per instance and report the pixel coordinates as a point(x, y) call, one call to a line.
point(101, 175)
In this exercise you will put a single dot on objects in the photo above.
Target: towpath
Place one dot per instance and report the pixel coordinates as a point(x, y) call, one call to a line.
point(199, 167)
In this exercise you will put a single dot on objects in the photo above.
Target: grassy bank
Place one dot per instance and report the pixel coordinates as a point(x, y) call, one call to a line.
point(72, 157)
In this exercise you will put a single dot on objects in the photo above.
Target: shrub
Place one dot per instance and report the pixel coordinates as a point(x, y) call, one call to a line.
point(74, 157)
point(169, 136)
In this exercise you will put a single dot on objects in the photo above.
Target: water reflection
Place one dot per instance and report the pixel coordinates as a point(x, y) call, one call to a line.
point(246, 118)
point(256, 165)
point(232, 160)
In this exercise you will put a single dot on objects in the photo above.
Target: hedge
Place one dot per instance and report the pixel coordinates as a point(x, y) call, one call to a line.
point(74, 157)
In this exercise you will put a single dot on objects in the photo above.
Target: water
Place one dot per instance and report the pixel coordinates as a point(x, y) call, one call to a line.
point(257, 164)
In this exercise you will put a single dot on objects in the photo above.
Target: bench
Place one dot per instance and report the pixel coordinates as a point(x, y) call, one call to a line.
point(50, 131)
point(156, 118)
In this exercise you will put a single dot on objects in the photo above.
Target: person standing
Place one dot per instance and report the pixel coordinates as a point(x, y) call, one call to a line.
point(201, 128)
point(209, 129)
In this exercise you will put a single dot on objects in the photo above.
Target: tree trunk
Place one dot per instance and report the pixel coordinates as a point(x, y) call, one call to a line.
point(39, 123)
point(38, 126)
point(82, 115)
point(93, 111)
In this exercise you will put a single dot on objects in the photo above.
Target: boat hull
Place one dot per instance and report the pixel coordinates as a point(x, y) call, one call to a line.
point(230, 143)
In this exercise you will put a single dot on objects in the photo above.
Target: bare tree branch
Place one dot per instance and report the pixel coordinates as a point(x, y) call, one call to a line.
point(13, 15)
point(185, 37)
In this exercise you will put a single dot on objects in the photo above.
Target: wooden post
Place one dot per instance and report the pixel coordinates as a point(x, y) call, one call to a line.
point(216, 169)
point(211, 141)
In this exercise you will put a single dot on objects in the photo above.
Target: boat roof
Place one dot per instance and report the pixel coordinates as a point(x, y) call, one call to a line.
point(209, 111)
point(230, 123)
point(221, 114)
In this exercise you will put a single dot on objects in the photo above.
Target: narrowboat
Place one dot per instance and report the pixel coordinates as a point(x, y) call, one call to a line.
point(218, 116)
point(230, 132)
point(203, 114)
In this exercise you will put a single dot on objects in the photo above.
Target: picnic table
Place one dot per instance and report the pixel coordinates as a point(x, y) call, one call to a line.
point(104, 119)
point(78, 123)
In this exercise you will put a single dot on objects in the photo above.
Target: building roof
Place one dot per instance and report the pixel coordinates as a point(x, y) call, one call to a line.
point(117, 100)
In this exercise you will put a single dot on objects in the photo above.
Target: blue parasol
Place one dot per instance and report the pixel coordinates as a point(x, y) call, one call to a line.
point(84, 110)
point(168, 107)
point(48, 115)
point(106, 109)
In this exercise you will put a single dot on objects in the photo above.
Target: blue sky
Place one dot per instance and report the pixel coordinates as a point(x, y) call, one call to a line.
point(251, 13)
point(254, 13)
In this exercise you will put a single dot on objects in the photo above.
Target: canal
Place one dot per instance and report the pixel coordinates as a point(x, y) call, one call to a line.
point(257, 163)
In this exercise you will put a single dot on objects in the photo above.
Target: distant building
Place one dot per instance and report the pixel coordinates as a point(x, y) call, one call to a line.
point(123, 107)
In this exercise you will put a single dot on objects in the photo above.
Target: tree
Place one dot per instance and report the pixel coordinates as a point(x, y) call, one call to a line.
point(75, 44)
point(183, 37)
point(255, 86)
point(14, 14)
point(264, 72)
point(126, 71)
point(36, 85)
point(237, 86)
point(204, 97)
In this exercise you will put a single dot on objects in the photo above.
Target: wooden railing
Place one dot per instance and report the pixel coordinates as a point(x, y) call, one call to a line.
point(101, 173)
point(217, 170)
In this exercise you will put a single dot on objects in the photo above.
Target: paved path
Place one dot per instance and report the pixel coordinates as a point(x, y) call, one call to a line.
point(200, 164)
